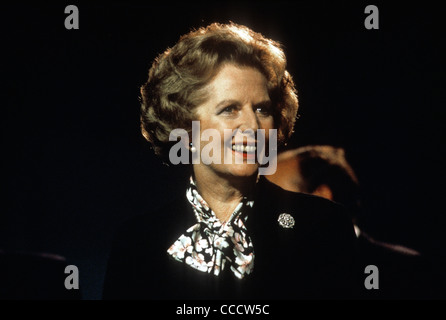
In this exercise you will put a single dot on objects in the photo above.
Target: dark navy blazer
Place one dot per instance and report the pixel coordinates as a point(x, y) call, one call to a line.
point(314, 259)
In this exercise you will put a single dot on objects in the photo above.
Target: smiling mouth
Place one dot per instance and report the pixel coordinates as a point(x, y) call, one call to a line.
point(244, 148)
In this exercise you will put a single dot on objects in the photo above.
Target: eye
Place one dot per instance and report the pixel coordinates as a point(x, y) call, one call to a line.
point(229, 109)
point(263, 110)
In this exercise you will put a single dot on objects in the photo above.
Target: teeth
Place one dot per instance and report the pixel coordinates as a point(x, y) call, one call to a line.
point(243, 148)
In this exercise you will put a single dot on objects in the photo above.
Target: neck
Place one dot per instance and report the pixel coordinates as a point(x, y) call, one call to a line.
point(222, 193)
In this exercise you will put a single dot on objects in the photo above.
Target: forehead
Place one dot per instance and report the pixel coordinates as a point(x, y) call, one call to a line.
point(238, 82)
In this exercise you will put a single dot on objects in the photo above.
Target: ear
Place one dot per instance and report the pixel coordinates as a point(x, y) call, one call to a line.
point(323, 191)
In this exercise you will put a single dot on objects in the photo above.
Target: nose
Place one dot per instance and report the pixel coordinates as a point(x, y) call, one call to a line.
point(249, 119)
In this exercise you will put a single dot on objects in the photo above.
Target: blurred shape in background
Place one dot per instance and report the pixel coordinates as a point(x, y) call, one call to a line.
point(34, 276)
point(324, 171)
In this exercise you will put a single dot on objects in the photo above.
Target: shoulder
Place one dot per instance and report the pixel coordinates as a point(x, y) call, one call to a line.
point(308, 209)
point(269, 189)
point(168, 218)
point(139, 248)
point(317, 222)
point(321, 244)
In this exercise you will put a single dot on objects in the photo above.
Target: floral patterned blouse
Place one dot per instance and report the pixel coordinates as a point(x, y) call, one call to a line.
point(210, 244)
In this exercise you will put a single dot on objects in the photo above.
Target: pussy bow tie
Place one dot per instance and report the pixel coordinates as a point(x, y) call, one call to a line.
point(209, 244)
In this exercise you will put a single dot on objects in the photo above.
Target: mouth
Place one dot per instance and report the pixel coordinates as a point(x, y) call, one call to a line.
point(244, 148)
point(246, 151)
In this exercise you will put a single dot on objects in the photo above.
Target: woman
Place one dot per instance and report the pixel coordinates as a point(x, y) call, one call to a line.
point(230, 233)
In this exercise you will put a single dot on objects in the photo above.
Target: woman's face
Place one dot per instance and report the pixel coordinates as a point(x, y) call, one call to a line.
point(238, 100)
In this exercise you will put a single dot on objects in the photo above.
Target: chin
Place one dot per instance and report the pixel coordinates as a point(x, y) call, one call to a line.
point(244, 170)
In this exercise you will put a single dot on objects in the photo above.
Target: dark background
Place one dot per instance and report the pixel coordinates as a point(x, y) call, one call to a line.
point(74, 164)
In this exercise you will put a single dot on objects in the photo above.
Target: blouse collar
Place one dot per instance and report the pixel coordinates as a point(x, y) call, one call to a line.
point(209, 244)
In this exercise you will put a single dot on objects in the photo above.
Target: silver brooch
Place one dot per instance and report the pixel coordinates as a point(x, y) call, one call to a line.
point(286, 220)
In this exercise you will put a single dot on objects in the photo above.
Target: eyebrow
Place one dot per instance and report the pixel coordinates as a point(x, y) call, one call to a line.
point(265, 103)
point(227, 102)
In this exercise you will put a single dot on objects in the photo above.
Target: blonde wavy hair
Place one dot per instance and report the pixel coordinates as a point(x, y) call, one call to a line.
point(172, 91)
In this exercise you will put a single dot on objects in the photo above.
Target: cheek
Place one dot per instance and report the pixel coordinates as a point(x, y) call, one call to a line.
point(266, 124)
point(217, 130)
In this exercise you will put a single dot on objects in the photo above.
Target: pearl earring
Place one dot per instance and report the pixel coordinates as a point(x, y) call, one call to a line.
point(192, 148)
